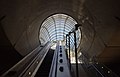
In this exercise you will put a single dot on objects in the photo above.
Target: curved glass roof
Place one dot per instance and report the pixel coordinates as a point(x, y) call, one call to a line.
point(55, 28)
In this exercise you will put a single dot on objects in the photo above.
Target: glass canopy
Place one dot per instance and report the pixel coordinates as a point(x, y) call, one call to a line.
point(55, 28)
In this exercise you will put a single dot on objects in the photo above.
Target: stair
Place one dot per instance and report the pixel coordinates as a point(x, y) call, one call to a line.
point(44, 69)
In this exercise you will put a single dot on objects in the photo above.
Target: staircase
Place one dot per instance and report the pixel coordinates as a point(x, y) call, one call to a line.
point(44, 69)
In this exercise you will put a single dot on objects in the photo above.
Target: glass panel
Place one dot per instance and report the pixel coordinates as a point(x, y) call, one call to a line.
point(56, 27)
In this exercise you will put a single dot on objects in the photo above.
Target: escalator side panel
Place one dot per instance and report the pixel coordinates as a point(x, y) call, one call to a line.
point(44, 69)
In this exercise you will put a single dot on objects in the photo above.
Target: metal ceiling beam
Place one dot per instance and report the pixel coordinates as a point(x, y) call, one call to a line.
point(43, 33)
point(47, 31)
point(64, 24)
point(55, 26)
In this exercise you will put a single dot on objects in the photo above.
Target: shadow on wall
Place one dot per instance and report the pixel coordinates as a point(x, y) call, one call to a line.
point(8, 55)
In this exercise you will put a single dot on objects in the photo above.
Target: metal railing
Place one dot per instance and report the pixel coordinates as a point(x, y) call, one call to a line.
point(103, 70)
point(60, 66)
point(96, 69)
point(28, 66)
point(53, 68)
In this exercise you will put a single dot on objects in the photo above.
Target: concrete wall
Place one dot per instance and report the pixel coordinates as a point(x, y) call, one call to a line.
point(100, 24)
point(8, 55)
point(104, 31)
point(23, 19)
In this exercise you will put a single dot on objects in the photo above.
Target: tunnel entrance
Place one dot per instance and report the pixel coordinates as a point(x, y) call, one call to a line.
point(55, 28)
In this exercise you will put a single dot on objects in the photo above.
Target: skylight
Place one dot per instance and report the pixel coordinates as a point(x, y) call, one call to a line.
point(55, 28)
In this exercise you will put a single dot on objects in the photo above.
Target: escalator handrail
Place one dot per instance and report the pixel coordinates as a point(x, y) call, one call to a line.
point(18, 67)
point(32, 66)
point(97, 70)
point(102, 71)
point(53, 69)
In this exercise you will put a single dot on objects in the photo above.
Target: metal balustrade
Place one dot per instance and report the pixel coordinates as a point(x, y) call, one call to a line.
point(60, 65)
point(29, 65)
point(96, 69)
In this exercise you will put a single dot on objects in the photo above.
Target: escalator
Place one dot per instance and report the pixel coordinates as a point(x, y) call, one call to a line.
point(44, 69)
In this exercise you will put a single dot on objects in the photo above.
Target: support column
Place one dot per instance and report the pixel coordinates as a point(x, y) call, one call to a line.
point(69, 52)
point(76, 54)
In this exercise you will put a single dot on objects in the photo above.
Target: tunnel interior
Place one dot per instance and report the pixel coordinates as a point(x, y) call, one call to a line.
point(21, 23)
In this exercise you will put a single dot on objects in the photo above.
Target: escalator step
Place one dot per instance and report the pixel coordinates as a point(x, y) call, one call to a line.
point(44, 69)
